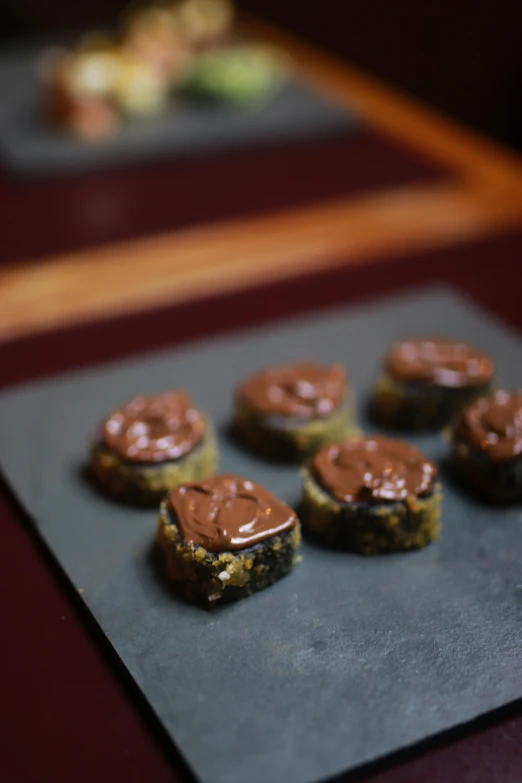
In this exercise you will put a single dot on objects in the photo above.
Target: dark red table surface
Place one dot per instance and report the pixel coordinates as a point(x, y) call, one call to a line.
point(68, 711)
point(56, 214)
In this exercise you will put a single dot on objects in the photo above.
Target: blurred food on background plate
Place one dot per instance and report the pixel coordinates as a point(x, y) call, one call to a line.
point(237, 74)
point(158, 52)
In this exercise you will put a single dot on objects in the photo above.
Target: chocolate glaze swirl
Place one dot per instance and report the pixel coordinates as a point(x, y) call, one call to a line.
point(225, 513)
point(373, 470)
point(494, 425)
point(439, 362)
point(304, 390)
point(153, 429)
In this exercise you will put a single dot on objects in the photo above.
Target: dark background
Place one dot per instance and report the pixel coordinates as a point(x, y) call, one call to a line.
point(462, 56)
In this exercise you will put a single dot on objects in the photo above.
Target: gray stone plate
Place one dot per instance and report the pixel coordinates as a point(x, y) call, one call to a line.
point(345, 660)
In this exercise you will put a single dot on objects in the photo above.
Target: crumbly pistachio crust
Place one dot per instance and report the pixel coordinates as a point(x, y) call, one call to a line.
point(148, 483)
point(208, 578)
point(291, 441)
point(369, 529)
point(403, 406)
point(498, 482)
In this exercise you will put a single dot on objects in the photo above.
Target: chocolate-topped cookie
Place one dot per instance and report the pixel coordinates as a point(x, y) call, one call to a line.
point(487, 446)
point(225, 538)
point(288, 412)
point(371, 495)
point(150, 445)
point(427, 380)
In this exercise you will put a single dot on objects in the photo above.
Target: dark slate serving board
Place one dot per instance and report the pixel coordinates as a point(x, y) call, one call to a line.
point(28, 145)
point(344, 661)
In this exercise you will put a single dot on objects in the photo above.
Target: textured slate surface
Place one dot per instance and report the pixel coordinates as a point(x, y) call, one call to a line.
point(346, 660)
point(28, 145)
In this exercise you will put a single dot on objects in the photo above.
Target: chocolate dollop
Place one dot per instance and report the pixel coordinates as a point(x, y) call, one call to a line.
point(438, 361)
point(494, 425)
point(303, 390)
point(154, 428)
point(225, 513)
point(373, 470)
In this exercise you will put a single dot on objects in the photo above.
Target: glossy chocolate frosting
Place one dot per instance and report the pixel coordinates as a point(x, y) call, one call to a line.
point(225, 513)
point(437, 361)
point(373, 470)
point(304, 390)
point(494, 425)
point(154, 429)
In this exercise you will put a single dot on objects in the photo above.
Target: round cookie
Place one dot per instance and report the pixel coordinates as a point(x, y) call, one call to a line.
point(486, 446)
point(371, 495)
point(287, 412)
point(225, 538)
point(427, 381)
point(150, 445)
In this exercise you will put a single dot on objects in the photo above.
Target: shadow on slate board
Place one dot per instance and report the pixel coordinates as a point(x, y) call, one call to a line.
point(346, 660)
point(28, 145)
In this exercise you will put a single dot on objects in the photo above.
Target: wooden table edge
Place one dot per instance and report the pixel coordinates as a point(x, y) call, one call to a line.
point(482, 196)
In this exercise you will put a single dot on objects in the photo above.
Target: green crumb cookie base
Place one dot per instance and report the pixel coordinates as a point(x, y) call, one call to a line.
point(208, 578)
point(367, 529)
point(146, 484)
point(292, 443)
point(239, 76)
point(405, 407)
point(498, 482)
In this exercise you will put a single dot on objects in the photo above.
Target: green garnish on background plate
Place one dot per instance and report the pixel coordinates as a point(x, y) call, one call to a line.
point(238, 75)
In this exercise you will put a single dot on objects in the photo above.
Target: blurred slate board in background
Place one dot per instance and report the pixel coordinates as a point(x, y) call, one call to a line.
point(28, 145)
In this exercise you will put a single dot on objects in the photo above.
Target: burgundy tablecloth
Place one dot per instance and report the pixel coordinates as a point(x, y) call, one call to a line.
point(57, 214)
point(67, 714)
